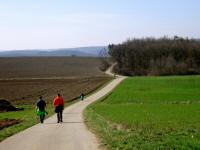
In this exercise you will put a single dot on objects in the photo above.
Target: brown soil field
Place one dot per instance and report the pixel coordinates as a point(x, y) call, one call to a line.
point(48, 67)
point(27, 91)
point(24, 79)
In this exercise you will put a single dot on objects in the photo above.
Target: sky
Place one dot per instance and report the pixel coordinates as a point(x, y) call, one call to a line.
point(49, 24)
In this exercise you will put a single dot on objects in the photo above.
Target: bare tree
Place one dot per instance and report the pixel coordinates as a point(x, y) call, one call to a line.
point(105, 59)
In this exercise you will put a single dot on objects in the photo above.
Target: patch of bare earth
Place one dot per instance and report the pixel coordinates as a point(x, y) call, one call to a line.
point(8, 122)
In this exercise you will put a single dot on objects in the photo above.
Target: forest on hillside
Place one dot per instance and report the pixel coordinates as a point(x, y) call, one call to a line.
point(161, 56)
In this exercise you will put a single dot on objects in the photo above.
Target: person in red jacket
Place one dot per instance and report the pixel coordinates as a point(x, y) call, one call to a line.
point(59, 106)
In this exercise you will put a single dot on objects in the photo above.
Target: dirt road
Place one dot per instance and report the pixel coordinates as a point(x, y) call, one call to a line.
point(72, 134)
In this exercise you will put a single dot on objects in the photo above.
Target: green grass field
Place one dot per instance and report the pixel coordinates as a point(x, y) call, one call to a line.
point(149, 113)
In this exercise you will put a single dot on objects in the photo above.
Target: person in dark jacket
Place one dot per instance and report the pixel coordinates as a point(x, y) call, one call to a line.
point(41, 105)
point(82, 96)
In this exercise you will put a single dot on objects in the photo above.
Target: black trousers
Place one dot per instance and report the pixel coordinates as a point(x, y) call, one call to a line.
point(59, 111)
point(42, 118)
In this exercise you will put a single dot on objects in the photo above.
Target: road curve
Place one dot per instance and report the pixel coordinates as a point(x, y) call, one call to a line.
point(72, 134)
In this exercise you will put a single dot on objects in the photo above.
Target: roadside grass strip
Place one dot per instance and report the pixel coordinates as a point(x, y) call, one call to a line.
point(27, 119)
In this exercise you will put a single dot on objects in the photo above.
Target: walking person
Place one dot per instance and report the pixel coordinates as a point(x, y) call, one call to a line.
point(41, 105)
point(82, 96)
point(59, 106)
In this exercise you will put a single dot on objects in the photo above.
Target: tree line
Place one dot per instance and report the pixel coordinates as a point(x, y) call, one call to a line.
point(162, 56)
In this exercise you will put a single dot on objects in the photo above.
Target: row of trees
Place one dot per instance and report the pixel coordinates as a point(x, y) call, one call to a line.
point(163, 56)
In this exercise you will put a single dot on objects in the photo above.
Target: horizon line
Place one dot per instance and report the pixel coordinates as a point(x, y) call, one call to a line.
point(49, 49)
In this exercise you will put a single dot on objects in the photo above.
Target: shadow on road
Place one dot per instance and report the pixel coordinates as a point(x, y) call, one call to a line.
point(64, 122)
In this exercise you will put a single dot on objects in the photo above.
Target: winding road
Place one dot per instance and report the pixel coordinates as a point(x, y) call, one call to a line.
point(72, 134)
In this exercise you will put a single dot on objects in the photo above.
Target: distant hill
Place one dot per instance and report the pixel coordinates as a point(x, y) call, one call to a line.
point(81, 51)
